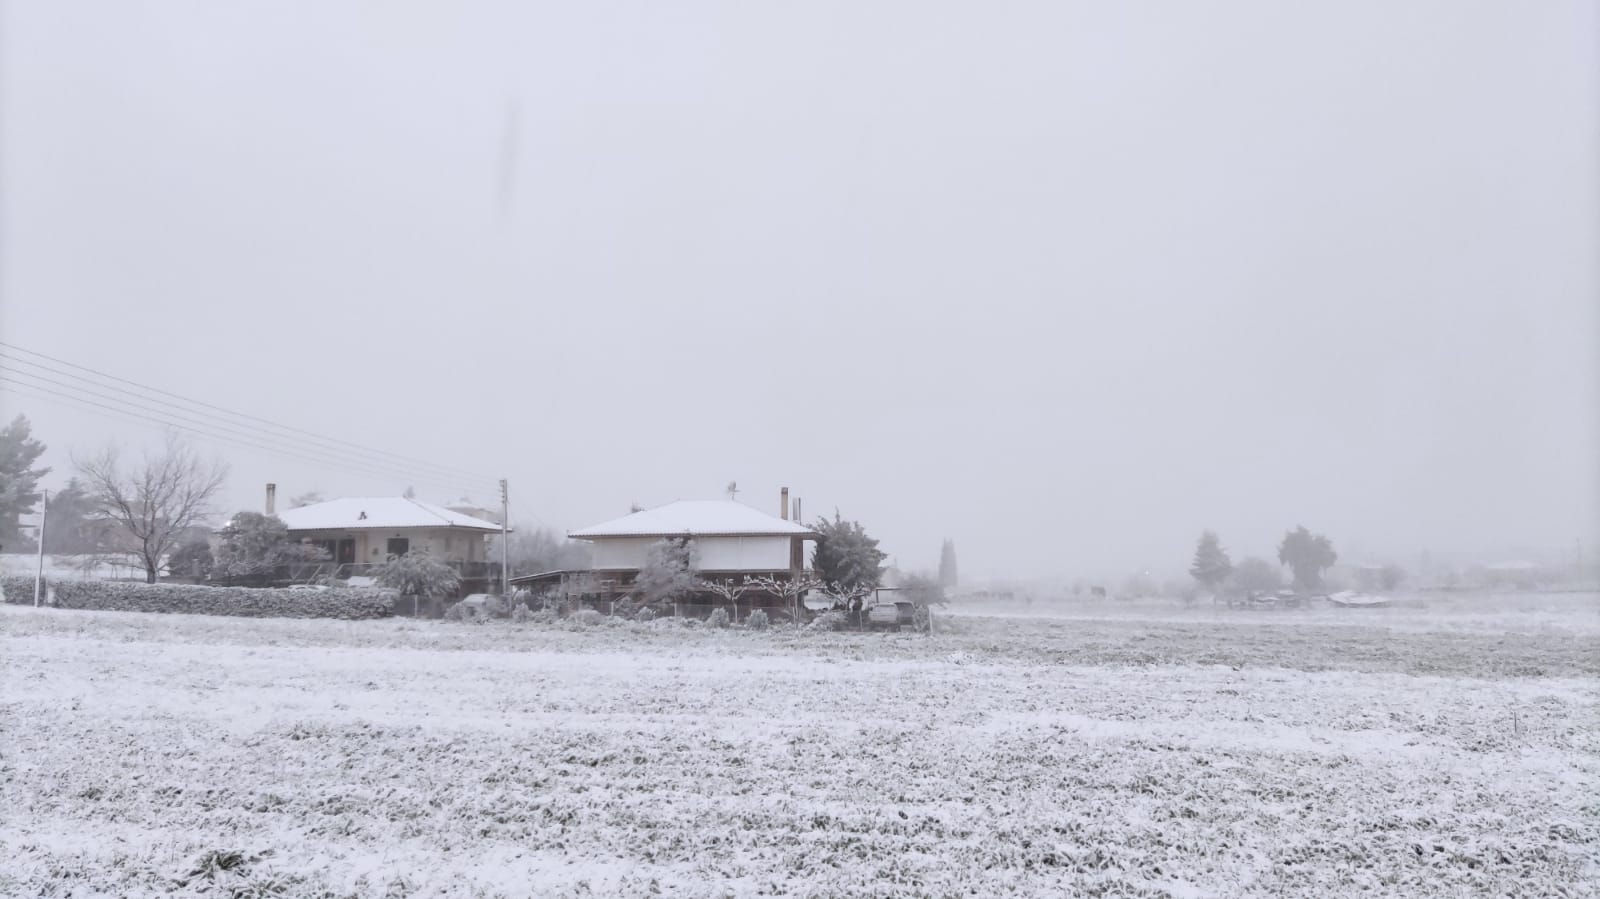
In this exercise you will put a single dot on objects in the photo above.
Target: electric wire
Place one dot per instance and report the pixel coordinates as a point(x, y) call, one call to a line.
point(255, 422)
point(84, 398)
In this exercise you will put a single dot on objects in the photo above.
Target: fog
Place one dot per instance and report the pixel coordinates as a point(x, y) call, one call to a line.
point(1066, 283)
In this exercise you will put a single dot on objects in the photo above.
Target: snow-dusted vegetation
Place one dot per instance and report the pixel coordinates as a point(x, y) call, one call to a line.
point(1212, 755)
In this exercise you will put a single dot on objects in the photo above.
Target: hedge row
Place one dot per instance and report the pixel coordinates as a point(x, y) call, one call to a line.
point(249, 602)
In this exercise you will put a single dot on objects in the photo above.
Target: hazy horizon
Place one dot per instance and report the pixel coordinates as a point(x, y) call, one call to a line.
point(1065, 283)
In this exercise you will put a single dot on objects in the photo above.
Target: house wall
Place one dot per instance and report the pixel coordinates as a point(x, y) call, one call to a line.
point(716, 553)
point(446, 544)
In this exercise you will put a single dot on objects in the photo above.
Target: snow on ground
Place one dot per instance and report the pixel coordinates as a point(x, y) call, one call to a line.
point(1257, 754)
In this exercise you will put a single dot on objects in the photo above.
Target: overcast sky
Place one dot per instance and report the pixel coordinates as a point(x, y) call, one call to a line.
point(1066, 282)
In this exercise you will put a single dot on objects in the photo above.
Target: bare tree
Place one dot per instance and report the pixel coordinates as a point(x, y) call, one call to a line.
point(155, 501)
point(729, 590)
point(789, 589)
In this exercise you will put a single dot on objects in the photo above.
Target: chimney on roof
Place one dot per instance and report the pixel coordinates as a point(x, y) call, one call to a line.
point(272, 498)
point(783, 504)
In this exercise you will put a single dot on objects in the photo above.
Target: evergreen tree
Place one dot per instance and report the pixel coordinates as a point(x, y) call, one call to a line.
point(845, 555)
point(668, 573)
point(73, 528)
point(1211, 563)
point(19, 479)
point(254, 545)
point(1307, 555)
point(948, 576)
point(191, 559)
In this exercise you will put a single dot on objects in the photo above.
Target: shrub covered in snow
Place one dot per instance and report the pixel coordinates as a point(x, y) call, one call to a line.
point(120, 596)
point(830, 621)
point(624, 608)
point(758, 620)
point(589, 618)
point(718, 618)
point(645, 615)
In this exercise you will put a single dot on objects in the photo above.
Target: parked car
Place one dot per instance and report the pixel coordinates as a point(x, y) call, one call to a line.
point(892, 614)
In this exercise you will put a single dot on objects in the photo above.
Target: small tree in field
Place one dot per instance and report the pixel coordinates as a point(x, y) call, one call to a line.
point(668, 572)
point(789, 589)
point(728, 590)
point(1308, 555)
point(418, 574)
point(1211, 563)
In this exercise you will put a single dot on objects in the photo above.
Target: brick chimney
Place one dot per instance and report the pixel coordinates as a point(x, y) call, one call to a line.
point(783, 504)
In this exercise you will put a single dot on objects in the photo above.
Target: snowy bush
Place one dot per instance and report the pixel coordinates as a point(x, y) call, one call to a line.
point(830, 621)
point(623, 608)
point(520, 613)
point(718, 618)
point(589, 618)
point(545, 615)
point(250, 602)
point(477, 609)
point(758, 620)
point(646, 615)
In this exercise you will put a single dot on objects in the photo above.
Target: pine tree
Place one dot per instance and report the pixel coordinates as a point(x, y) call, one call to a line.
point(845, 554)
point(71, 529)
point(1211, 563)
point(948, 576)
point(19, 480)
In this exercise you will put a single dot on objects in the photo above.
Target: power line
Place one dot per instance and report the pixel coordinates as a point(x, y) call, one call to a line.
point(260, 435)
point(247, 441)
point(458, 472)
point(82, 397)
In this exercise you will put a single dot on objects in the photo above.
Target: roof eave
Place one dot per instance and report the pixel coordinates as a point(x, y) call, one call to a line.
point(665, 535)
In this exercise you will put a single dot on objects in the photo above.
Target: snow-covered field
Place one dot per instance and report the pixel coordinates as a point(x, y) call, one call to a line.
point(1187, 753)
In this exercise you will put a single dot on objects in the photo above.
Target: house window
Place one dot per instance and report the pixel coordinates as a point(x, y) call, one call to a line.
point(399, 546)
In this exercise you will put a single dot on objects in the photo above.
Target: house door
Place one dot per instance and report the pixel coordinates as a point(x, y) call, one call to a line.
point(399, 546)
point(347, 551)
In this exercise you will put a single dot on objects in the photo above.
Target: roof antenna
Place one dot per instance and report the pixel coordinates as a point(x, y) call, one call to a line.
point(733, 490)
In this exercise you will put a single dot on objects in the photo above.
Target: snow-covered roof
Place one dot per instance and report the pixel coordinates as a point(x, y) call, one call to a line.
point(381, 512)
point(696, 518)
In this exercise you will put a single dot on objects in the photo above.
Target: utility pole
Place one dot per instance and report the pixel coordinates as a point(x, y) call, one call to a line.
point(38, 576)
point(505, 549)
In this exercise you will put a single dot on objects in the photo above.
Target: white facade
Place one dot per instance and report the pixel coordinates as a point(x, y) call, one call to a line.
point(740, 553)
point(729, 538)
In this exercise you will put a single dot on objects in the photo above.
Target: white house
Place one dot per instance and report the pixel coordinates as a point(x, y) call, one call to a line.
point(363, 530)
point(731, 541)
point(730, 538)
